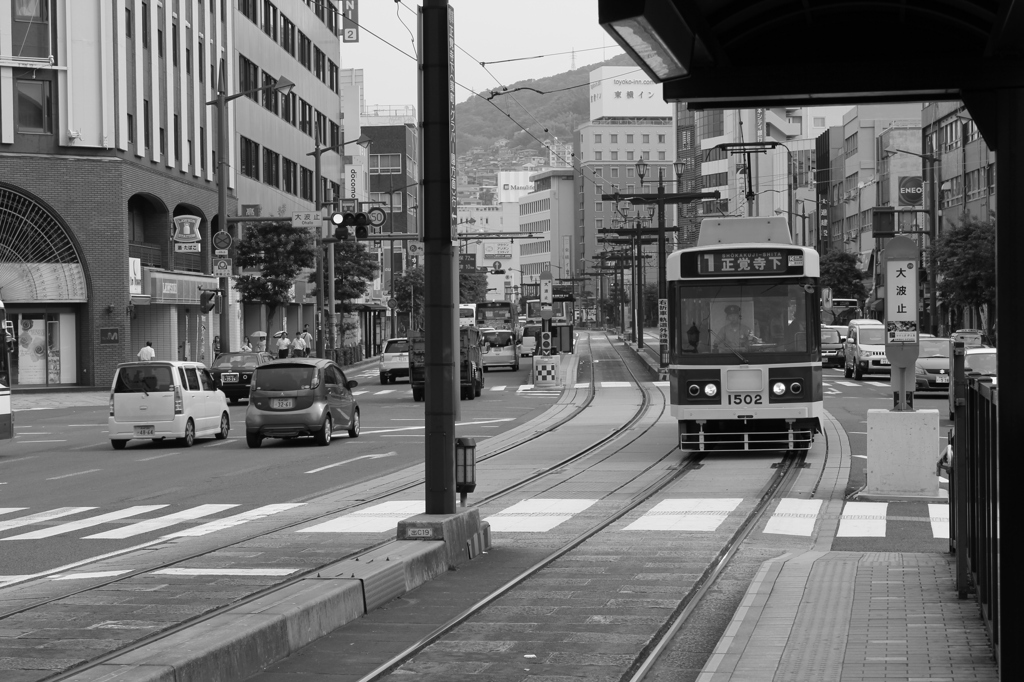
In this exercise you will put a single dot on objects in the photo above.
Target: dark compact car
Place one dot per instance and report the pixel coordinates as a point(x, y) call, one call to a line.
point(831, 348)
point(300, 397)
point(931, 371)
point(233, 371)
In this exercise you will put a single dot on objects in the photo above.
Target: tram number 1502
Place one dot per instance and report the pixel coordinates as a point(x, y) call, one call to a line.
point(744, 399)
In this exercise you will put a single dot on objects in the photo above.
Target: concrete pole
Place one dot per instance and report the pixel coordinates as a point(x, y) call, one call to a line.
point(317, 151)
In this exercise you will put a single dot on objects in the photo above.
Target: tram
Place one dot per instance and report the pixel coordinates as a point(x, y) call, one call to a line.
point(745, 355)
point(7, 340)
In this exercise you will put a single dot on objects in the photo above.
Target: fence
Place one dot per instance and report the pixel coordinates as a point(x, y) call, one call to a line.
point(974, 491)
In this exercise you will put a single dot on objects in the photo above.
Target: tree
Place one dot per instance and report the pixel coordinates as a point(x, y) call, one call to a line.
point(406, 285)
point(841, 272)
point(965, 259)
point(280, 252)
point(472, 286)
point(354, 269)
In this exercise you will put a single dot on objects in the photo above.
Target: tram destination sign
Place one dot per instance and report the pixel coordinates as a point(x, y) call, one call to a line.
point(743, 262)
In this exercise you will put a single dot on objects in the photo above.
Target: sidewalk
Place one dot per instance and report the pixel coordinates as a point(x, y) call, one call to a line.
point(820, 616)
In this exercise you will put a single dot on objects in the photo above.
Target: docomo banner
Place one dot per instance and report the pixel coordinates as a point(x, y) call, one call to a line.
point(513, 184)
point(911, 190)
point(625, 91)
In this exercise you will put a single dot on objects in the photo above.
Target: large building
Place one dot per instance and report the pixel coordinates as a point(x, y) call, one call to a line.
point(108, 160)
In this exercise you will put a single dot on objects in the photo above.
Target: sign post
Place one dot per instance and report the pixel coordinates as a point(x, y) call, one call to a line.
point(902, 345)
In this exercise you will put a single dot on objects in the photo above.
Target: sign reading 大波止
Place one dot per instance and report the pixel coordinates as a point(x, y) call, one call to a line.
point(901, 301)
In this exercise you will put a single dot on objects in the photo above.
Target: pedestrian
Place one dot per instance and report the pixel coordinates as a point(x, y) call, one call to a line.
point(298, 346)
point(216, 346)
point(246, 346)
point(283, 344)
point(307, 338)
point(147, 353)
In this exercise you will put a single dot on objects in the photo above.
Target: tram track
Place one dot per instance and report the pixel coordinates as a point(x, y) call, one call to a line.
point(627, 432)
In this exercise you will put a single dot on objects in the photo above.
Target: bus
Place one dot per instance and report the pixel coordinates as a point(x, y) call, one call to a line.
point(499, 315)
point(842, 311)
point(7, 341)
point(745, 374)
point(559, 311)
point(467, 314)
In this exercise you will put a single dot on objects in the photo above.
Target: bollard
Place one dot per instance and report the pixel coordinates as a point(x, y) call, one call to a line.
point(545, 371)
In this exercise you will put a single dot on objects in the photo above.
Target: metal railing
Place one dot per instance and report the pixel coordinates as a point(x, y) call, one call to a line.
point(972, 462)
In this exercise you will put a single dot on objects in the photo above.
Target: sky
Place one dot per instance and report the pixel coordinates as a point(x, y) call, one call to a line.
point(485, 30)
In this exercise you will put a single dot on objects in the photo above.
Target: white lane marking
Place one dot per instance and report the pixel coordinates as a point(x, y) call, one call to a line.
point(794, 517)
point(86, 576)
point(10, 510)
point(376, 519)
point(349, 461)
point(42, 517)
point(582, 384)
point(697, 514)
point(150, 525)
point(525, 387)
point(616, 384)
point(359, 392)
point(413, 428)
point(32, 433)
point(77, 473)
point(235, 520)
point(73, 526)
point(499, 388)
point(386, 390)
point(847, 383)
point(147, 459)
point(45, 441)
point(863, 519)
point(939, 515)
point(537, 515)
point(225, 571)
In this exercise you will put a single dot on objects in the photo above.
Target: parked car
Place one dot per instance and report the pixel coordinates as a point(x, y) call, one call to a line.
point(831, 347)
point(394, 361)
point(978, 361)
point(864, 350)
point(931, 371)
point(165, 399)
point(500, 349)
point(293, 397)
point(233, 371)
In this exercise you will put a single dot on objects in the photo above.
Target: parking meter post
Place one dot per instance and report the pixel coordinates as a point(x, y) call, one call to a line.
point(957, 472)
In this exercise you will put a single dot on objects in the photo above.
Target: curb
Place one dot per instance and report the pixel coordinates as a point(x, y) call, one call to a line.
point(242, 641)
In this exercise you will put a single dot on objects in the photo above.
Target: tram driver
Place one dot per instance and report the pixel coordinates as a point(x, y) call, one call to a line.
point(733, 335)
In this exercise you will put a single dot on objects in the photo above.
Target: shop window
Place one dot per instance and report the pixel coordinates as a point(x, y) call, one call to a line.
point(35, 114)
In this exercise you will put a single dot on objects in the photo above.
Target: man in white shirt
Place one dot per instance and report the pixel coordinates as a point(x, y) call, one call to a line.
point(298, 346)
point(283, 344)
point(308, 339)
point(147, 353)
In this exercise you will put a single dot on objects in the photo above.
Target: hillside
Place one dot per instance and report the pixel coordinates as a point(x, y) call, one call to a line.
point(479, 123)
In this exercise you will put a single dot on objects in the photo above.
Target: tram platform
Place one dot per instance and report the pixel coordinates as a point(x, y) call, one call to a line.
point(821, 615)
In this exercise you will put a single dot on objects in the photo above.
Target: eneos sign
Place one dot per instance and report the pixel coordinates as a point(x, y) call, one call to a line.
point(911, 190)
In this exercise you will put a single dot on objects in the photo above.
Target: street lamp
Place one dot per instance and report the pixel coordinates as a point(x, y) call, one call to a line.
point(933, 229)
point(328, 241)
point(283, 86)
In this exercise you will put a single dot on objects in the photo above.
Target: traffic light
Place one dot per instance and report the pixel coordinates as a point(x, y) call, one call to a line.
point(545, 343)
point(207, 301)
point(350, 226)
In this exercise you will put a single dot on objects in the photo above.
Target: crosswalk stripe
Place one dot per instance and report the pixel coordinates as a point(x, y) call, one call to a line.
point(698, 514)
point(73, 526)
point(359, 392)
point(794, 517)
point(376, 519)
point(499, 388)
point(11, 510)
point(163, 522)
point(525, 387)
point(863, 520)
point(226, 571)
point(616, 384)
point(537, 515)
point(847, 383)
point(235, 520)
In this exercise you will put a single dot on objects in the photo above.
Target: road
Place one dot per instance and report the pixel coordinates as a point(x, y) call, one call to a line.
point(61, 470)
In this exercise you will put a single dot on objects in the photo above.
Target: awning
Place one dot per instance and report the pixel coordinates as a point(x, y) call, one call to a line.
point(866, 261)
point(368, 307)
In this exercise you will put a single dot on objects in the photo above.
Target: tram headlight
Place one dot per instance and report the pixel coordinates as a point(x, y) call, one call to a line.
point(693, 390)
point(710, 390)
point(779, 388)
point(796, 387)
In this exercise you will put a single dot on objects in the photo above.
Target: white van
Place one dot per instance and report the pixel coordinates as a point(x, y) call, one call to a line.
point(864, 349)
point(528, 347)
point(165, 399)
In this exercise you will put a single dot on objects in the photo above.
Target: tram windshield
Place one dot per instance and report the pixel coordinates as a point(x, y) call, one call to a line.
point(745, 318)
